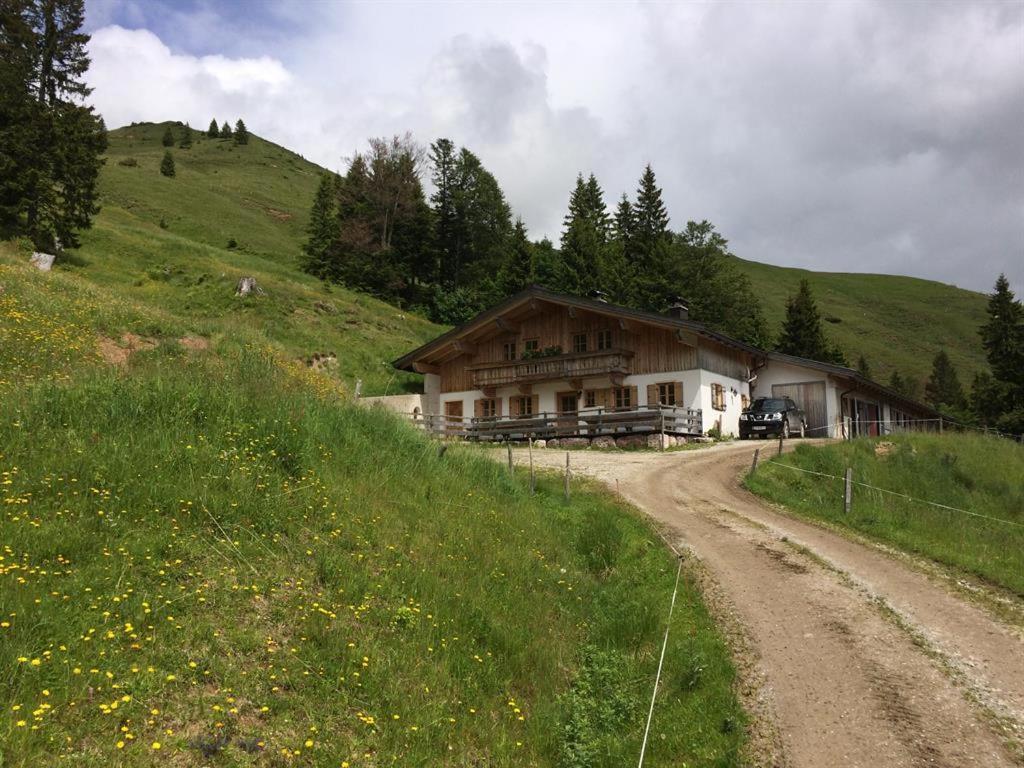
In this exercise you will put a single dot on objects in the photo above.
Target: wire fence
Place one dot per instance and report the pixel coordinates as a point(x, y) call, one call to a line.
point(904, 496)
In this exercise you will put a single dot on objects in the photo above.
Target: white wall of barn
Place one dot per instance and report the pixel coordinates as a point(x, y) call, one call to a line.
point(778, 373)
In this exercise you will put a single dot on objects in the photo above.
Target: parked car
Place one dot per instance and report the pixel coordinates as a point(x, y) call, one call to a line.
point(772, 416)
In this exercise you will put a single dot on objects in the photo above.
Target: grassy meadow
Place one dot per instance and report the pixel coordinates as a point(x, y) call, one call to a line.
point(897, 323)
point(980, 474)
point(208, 556)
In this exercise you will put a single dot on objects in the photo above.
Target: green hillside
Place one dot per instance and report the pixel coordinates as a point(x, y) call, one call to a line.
point(897, 323)
point(258, 196)
point(210, 556)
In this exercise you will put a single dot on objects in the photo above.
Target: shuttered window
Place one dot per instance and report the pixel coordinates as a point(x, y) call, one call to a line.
point(509, 350)
point(579, 342)
point(718, 397)
point(604, 339)
point(486, 408)
point(665, 393)
point(524, 405)
point(624, 397)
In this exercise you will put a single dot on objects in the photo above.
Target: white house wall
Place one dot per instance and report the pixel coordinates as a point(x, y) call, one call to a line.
point(730, 417)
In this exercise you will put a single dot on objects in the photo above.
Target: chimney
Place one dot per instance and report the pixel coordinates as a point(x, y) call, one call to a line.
point(678, 309)
point(599, 296)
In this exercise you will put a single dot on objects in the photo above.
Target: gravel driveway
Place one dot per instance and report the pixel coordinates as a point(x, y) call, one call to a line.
point(849, 655)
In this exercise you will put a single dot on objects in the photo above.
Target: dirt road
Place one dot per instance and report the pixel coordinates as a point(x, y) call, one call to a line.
point(854, 657)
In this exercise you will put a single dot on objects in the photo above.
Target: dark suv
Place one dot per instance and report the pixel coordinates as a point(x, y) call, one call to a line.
point(772, 416)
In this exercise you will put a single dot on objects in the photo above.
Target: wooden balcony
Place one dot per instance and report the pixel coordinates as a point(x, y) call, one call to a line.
point(593, 422)
point(575, 365)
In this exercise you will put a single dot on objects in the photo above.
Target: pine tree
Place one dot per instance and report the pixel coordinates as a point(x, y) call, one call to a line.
point(802, 335)
point(168, 138)
point(1002, 335)
point(68, 137)
point(225, 130)
point(213, 131)
point(897, 384)
point(651, 219)
point(863, 368)
point(186, 137)
point(519, 271)
point(323, 227)
point(584, 238)
point(943, 390)
point(167, 164)
point(241, 134)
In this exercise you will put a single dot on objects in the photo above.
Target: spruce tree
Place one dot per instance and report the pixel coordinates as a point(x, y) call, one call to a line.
point(241, 134)
point(68, 137)
point(897, 384)
point(20, 117)
point(446, 226)
point(168, 138)
point(584, 238)
point(186, 137)
point(863, 368)
point(1002, 335)
point(167, 164)
point(519, 271)
point(225, 130)
point(323, 227)
point(943, 390)
point(213, 131)
point(650, 219)
point(802, 335)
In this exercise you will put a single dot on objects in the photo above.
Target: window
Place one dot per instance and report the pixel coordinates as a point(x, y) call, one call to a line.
point(604, 339)
point(509, 350)
point(525, 405)
point(531, 347)
point(590, 398)
point(667, 393)
point(488, 408)
point(718, 397)
point(579, 342)
point(623, 397)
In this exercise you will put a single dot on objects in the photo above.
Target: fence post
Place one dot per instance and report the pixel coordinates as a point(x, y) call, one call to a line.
point(848, 494)
point(780, 445)
point(663, 430)
point(533, 477)
point(753, 465)
point(846, 428)
point(567, 476)
point(940, 425)
point(508, 445)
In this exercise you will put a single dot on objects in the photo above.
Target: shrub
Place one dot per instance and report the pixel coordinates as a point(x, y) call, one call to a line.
point(128, 162)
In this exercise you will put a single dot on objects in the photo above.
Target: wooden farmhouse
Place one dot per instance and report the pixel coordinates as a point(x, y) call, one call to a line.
point(543, 364)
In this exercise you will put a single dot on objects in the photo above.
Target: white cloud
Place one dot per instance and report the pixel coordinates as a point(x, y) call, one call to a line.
point(848, 136)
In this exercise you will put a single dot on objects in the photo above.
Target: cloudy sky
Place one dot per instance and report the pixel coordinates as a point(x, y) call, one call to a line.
point(851, 136)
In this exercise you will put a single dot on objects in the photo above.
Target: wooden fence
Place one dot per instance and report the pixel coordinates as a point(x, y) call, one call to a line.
point(593, 422)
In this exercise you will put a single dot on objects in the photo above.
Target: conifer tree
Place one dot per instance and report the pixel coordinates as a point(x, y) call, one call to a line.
point(1002, 335)
point(802, 335)
point(323, 227)
point(519, 271)
point(863, 368)
point(943, 390)
point(58, 187)
point(897, 384)
point(213, 131)
point(168, 137)
point(624, 224)
point(241, 134)
point(225, 130)
point(167, 164)
point(186, 137)
point(584, 238)
point(650, 217)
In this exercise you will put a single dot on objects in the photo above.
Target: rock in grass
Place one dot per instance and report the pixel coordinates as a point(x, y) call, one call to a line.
point(42, 261)
point(247, 286)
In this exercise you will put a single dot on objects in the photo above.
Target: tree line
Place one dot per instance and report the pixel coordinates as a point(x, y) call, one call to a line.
point(460, 250)
point(996, 396)
point(50, 139)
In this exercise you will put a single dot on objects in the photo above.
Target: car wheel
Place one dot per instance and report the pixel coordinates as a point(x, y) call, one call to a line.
point(785, 430)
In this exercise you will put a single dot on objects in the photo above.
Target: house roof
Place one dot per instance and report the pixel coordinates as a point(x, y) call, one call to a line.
point(445, 343)
point(536, 293)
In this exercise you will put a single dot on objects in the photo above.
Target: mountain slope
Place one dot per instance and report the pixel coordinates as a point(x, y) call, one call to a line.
point(897, 323)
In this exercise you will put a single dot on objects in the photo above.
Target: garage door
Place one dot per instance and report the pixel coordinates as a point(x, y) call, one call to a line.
point(810, 396)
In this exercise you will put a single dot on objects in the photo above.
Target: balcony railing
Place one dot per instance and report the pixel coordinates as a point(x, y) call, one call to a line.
point(592, 422)
point(575, 365)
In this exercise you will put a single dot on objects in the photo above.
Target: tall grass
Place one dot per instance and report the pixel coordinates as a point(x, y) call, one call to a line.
point(207, 560)
point(980, 474)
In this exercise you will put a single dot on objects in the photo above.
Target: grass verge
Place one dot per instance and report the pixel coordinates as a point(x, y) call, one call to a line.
point(980, 474)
